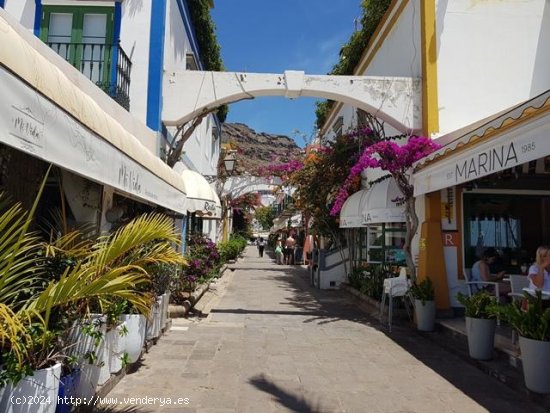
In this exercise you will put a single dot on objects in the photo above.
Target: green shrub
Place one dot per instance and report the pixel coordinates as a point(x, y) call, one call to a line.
point(477, 305)
point(423, 290)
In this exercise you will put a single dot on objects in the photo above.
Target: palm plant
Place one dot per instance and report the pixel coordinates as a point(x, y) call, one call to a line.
point(113, 268)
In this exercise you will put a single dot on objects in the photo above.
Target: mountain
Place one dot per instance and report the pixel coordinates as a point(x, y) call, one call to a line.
point(256, 149)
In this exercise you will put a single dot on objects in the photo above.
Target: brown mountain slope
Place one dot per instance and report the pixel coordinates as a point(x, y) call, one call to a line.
point(256, 149)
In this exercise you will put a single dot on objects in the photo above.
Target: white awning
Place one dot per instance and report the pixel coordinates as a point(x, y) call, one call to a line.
point(279, 223)
point(48, 116)
point(373, 205)
point(201, 197)
point(515, 137)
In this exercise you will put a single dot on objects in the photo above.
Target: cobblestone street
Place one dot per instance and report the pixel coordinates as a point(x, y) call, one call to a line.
point(271, 343)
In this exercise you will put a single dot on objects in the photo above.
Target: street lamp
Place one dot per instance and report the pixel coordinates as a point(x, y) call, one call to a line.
point(229, 162)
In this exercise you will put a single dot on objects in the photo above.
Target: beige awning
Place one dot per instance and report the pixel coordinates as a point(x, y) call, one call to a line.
point(48, 115)
point(373, 205)
point(201, 197)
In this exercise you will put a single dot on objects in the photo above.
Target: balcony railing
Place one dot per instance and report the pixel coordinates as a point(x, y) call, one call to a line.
point(105, 64)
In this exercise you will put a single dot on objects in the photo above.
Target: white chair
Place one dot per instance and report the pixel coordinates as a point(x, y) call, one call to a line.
point(517, 284)
point(474, 286)
point(394, 287)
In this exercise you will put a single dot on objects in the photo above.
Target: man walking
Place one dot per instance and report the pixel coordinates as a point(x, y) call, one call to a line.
point(261, 246)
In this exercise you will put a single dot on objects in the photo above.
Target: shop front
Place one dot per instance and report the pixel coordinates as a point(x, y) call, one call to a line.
point(102, 171)
point(488, 187)
point(375, 225)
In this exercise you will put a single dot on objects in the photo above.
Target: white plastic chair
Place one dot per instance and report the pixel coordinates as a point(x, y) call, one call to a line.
point(394, 287)
point(475, 286)
point(517, 284)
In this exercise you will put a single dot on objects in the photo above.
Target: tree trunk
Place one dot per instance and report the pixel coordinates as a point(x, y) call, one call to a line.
point(175, 152)
point(412, 225)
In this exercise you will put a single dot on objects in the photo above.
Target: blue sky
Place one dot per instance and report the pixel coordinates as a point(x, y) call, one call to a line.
point(271, 36)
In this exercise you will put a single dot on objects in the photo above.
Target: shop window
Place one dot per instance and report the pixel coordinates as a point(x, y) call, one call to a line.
point(495, 232)
point(377, 244)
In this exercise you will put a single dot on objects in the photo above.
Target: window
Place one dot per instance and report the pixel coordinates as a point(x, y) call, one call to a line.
point(81, 35)
point(338, 126)
point(190, 62)
point(378, 244)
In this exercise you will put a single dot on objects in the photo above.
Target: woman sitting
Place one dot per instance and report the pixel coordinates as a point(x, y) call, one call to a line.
point(539, 272)
point(481, 271)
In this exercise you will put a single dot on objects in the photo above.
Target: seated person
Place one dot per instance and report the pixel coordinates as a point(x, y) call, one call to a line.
point(539, 272)
point(482, 272)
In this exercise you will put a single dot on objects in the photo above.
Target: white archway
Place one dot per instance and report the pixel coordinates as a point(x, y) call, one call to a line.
point(237, 186)
point(396, 100)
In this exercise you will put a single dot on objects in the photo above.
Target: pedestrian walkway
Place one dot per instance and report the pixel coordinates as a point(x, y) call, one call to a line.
point(268, 342)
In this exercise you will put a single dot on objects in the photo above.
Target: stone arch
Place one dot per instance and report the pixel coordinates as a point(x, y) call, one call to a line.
point(237, 186)
point(396, 100)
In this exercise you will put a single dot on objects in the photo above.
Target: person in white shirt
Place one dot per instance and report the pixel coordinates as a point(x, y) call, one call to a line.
point(539, 272)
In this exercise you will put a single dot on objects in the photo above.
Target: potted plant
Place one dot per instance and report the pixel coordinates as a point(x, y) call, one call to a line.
point(424, 305)
point(480, 324)
point(533, 326)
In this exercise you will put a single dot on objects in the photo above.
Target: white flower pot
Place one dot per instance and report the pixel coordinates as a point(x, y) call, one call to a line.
point(153, 323)
point(162, 304)
point(481, 337)
point(166, 302)
point(95, 374)
point(42, 388)
point(136, 325)
point(89, 380)
point(535, 357)
point(115, 344)
point(425, 315)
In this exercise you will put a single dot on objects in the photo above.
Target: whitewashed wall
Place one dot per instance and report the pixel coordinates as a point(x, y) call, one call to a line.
point(491, 56)
point(399, 55)
point(22, 10)
point(134, 39)
point(201, 150)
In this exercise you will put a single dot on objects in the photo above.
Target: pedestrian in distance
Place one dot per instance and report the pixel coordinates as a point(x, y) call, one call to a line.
point(279, 252)
point(290, 243)
point(261, 246)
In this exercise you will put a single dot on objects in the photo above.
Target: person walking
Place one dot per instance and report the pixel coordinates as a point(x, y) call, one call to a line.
point(261, 246)
point(290, 243)
point(279, 252)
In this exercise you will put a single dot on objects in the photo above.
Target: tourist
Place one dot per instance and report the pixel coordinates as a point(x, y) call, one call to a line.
point(279, 252)
point(261, 246)
point(290, 243)
point(481, 271)
point(539, 272)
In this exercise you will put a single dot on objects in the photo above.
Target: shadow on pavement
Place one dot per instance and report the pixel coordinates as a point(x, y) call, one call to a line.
point(285, 398)
point(326, 306)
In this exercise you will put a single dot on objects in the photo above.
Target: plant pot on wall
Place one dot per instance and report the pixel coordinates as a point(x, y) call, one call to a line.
point(68, 386)
point(115, 342)
point(136, 326)
point(481, 337)
point(42, 386)
point(153, 323)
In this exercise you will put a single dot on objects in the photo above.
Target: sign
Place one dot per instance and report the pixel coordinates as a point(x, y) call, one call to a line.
point(523, 144)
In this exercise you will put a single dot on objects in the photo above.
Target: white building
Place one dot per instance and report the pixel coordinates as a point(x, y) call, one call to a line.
point(481, 63)
point(125, 48)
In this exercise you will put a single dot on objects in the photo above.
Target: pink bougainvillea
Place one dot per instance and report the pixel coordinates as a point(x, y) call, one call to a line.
point(281, 169)
point(389, 156)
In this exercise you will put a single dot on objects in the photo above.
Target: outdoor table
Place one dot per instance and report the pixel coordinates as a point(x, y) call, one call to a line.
point(533, 292)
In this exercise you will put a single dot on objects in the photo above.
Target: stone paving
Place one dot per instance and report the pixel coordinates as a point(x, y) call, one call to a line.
point(271, 343)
